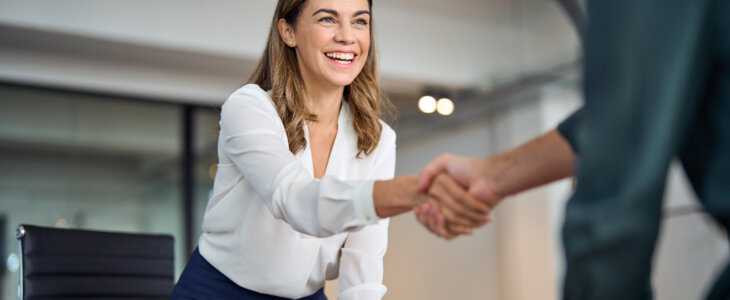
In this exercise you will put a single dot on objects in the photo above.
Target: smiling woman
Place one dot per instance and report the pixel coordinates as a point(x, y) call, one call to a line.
point(305, 183)
point(323, 45)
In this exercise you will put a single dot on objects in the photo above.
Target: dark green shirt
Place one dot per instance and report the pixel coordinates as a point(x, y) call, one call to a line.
point(657, 86)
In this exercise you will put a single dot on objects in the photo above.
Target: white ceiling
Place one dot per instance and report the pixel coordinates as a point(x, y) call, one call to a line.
point(455, 43)
point(455, 8)
point(494, 11)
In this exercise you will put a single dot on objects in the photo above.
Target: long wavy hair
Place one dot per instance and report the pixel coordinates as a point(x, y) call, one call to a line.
point(278, 71)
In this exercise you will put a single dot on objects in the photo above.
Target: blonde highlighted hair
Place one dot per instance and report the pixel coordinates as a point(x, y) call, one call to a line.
point(278, 71)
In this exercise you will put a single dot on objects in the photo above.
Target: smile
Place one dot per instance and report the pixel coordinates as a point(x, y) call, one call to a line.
point(341, 57)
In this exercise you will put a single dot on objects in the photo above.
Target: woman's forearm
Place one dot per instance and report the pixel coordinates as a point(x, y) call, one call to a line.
point(396, 196)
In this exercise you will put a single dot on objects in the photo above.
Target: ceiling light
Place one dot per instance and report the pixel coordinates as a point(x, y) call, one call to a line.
point(427, 104)
point(445, 106)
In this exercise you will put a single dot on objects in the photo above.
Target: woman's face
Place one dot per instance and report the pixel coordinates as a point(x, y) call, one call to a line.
point(332, 39)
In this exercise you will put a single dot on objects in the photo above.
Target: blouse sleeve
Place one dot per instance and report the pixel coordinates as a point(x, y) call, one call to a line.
point(251, 134)
point(361, 264)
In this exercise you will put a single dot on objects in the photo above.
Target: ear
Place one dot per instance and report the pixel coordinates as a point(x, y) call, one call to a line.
point(286, 32)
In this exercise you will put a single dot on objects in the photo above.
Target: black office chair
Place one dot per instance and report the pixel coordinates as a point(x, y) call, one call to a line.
point(70, 263)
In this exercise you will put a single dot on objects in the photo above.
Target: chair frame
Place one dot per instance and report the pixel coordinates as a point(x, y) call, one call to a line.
point(19, 234)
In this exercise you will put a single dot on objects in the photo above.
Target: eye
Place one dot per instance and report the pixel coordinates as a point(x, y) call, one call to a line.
point(327, 20)
point(361, 22)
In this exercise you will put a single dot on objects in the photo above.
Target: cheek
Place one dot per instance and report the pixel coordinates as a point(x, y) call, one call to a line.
point(312, 42)
point(365, 44)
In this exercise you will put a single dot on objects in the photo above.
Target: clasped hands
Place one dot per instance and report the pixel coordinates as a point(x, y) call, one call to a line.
point(452, 196)
point(460, 196)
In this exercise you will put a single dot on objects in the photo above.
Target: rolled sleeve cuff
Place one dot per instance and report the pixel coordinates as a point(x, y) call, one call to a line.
point(370, 291)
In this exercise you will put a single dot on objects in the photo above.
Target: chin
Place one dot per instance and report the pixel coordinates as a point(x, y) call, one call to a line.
point(342, 81)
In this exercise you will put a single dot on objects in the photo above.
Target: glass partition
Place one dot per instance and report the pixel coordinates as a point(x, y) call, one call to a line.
point(87, 161)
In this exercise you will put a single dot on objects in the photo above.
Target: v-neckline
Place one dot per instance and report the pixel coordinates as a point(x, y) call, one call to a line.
point(333, 152)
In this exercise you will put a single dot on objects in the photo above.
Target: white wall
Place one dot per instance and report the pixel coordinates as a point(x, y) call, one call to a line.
point(421, 266)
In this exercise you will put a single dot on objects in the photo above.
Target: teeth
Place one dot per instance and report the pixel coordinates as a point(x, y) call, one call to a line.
point(341, 56)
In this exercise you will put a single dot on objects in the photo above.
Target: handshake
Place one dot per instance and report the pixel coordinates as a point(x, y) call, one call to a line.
point(454, 194)
point(460, 196)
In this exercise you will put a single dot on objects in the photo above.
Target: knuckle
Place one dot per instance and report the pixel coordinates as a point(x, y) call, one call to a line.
point(439, 178)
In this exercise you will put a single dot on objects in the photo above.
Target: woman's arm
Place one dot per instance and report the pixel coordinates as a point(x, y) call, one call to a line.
point(253, 138)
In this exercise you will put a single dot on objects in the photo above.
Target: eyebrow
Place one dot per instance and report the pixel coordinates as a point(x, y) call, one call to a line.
point(324, 10)
point(336, 14)
point(361, 12)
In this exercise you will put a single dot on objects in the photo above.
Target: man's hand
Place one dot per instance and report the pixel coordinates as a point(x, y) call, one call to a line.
point(466, 171)
point(542, 160)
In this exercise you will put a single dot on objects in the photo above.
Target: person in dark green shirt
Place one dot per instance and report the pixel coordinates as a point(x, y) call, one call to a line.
point(657, 87)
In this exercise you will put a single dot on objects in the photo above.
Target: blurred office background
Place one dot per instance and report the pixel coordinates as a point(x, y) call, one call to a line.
point(108, 115)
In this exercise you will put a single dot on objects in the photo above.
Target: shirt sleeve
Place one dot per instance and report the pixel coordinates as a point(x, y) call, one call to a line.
point(361, 263)
point(570, 128)
point(253, 137)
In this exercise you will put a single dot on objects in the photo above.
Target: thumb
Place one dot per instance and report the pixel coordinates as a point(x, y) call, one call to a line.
point(429, 171)
point(483, 191)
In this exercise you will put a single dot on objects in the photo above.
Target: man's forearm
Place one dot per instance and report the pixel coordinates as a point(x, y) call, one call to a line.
point(540, 161)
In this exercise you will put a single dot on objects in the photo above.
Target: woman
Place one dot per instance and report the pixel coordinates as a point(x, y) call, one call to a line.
point(303, 166)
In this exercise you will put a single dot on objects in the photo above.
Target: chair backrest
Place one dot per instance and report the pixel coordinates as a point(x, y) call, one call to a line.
point(72, 263)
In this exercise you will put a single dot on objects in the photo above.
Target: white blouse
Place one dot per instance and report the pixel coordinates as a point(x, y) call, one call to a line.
point(272, 227)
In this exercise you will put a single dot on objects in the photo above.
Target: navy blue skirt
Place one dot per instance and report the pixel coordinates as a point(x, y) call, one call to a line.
point(200, 280)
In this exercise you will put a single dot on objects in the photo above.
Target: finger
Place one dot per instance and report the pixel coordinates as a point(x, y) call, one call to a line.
point(451, 196)
point(431, 221)
point(422, 218)
point(459, 230)
point(451, 217)
point(430, 170)
point(444, 232)
point(466, 204)
point(460, 193)
point(440, 195)
point(440, 222)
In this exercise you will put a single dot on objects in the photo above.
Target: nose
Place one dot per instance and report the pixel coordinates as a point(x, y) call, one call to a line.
point(345, 34)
